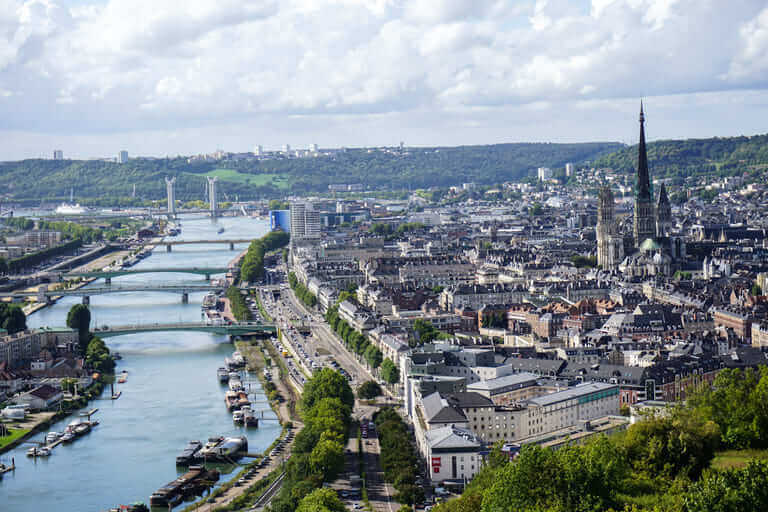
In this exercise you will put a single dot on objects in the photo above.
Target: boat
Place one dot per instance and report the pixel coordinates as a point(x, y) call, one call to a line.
point(123, 377)
point(223, 374)
point(209, 301)
point(220, 231)
point(238, 417)
point(249, 418)
point(82, 429)
point(231, 398)
point(116, 356)
point(41, 451)
point(242, 399)
point(194, 481)
point(52, 437)
point(70, 209)
point(188, 455)
point(222, 448)
point(235, 384)
point(68, 437)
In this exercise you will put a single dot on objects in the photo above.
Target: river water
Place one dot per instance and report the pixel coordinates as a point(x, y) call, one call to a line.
point(172, 394)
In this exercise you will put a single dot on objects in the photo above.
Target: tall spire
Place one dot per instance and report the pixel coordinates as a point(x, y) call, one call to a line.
point(643, 180)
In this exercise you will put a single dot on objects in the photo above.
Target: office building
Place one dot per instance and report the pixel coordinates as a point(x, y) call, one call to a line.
point(305, 221)
point(569, 170)
point(258, 150)
point(58, 154)
point(171, 193)
point(280, 219)
point(122, 157)
point(213, 205)
point(544, 173)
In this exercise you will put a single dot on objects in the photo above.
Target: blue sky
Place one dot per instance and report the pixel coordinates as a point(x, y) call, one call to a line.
point(184, 77)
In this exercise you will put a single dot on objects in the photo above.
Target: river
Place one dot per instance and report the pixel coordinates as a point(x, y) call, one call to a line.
point(172, 394)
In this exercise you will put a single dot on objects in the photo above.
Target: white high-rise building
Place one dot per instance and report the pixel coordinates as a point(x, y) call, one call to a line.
point(122, 157)
point(58, 154)
point(258, 150)
point(286, 148)
point(569, 170)
point(305, 221)
point(313, 148)
point(544, 173)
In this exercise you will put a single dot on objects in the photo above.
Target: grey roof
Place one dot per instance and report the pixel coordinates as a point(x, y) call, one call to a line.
point(468, 399)
point(516, 380)
point(605, 372)
point(453, 438)
point(571, 393)
point(438, 410)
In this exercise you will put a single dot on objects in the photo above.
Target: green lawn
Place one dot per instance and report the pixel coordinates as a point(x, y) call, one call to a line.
point(15, 434)
point(277, 180)
point(737, 458)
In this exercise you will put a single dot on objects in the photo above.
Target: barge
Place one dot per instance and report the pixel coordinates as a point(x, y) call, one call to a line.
point(191, 483)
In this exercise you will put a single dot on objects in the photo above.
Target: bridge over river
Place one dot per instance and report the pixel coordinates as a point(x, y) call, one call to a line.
point(43, 294)
point(109, 274)
point(235, 329)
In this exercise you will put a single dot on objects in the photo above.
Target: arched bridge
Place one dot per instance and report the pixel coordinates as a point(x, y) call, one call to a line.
point(236, 329)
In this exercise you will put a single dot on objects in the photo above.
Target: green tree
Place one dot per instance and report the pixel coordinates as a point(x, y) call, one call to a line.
point(369, 390)
point(389, 371)
point(732, 490)
point(327, 459)
point(79, 318)
point(321, 500)
point(12, 318)
point(326, 383)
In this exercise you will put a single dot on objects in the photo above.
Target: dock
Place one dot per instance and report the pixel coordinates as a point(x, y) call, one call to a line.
point(5, 469)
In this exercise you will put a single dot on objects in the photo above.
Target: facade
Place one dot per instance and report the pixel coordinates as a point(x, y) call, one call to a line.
point(452, 453)
point(212, 203)
point(122, 157)
point(305, 221)
point(569, 407)
point(58, 154)
point(280, 219)
point(509, 389)
point(544, 173)
point(25, 346)
point(610, 246)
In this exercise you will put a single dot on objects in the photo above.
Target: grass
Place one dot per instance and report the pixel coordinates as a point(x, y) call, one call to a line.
point(257, 180)
point(737, 458)
point(16, 433)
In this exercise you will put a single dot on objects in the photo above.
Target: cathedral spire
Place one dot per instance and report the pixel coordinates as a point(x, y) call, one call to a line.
point(643, 180)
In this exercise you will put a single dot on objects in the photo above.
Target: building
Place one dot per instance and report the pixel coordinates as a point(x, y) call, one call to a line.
point(313, 148)
point(122, 157)
point(569, 170)
point(41, 398)
point(644, 224)
point(569, 407)
point(258, 150)
point(509, 389)
point(58, 154)
point(280, 219)
point(610, 246)
point(286, 148)
point(544, 173)
point(453, 454)
point(305, 221)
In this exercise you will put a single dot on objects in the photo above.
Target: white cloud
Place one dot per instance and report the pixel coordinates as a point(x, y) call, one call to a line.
point(143, 64)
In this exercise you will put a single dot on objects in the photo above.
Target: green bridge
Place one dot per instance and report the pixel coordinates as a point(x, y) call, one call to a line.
point(236, 329)
point(109, 274)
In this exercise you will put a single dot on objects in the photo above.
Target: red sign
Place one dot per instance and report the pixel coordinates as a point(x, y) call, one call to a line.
point(435, 464)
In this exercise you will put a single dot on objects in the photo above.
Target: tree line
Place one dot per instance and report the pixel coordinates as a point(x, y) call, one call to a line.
point(301, 291)
point(252, 265)
point(237, 304)
point(318, 450)
point(353, 339)
point(399, 459)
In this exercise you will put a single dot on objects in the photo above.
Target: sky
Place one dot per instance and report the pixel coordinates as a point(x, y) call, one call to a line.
point(167, 77)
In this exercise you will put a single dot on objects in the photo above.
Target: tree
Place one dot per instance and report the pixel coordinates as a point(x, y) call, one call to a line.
point(12, 318)
point(389, 371)
point(326, 383)
point(327, 459)
point(732, 490)
point(373, 356)
point(79, 318)
point(369, 389)
point(321, 500)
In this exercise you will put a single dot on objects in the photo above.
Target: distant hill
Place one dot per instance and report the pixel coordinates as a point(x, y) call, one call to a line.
point(51, 180)
point(681, 158)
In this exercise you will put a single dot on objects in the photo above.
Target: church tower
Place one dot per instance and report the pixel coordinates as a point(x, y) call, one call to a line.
point(663, 214)
point(644, 222)
point(610, 248)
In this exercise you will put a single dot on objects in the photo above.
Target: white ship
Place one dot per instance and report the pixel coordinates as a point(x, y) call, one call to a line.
point(70, 209)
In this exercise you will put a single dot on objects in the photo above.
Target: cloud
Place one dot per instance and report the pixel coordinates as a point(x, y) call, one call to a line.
point(125, 65)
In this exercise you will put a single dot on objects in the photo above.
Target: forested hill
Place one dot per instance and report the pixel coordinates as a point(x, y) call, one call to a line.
point(417, 168)
point(726, 156)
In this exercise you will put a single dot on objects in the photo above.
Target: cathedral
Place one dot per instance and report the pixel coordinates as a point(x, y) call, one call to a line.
point(652, 248)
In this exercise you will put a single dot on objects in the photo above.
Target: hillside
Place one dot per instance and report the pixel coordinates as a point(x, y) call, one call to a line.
point(680, 158)
point(421, 167)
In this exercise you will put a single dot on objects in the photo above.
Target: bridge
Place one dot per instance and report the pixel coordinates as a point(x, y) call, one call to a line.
point(109, 274)
point(236, 329)
point(43, 294)
point(230, 241)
